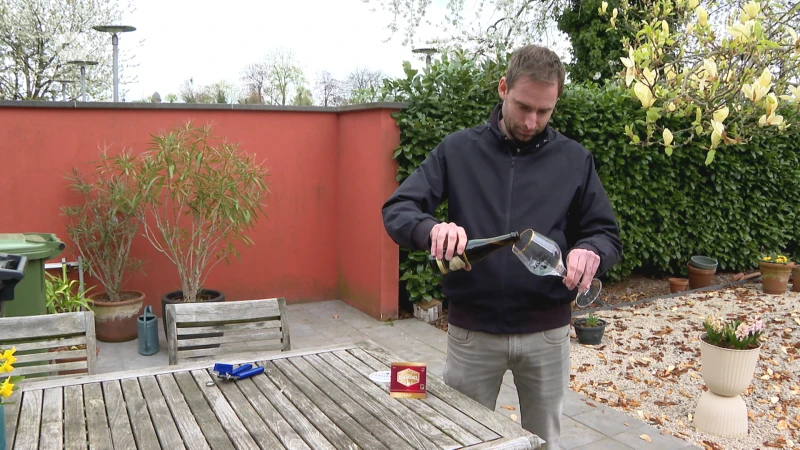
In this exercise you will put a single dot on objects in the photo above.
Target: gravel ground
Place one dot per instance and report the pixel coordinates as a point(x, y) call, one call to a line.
point(648, 365)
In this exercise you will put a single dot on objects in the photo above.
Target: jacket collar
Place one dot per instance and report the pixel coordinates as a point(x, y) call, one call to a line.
point(536, 142)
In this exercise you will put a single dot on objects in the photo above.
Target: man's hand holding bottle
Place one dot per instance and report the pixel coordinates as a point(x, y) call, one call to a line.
point(448, 239)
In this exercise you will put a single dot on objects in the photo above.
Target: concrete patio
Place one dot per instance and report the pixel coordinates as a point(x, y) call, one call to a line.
point(584, 427)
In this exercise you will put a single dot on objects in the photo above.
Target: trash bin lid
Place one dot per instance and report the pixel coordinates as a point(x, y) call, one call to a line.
point(32, 245)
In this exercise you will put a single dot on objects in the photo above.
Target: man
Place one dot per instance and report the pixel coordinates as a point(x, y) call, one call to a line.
point(512, 173)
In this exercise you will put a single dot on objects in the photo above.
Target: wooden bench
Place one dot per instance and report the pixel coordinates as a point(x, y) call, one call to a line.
point(50, 345)
point(203, 330)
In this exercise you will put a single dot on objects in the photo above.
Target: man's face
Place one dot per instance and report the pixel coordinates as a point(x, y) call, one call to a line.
point(527, 107)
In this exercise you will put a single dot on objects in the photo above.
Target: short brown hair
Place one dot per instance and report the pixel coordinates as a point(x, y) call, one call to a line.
point(537, 64)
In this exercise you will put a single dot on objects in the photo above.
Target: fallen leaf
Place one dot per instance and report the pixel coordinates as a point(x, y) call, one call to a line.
point(513, 417)
point(336, 316)
point(645, 437)
point(774, 400)
point(510, 408)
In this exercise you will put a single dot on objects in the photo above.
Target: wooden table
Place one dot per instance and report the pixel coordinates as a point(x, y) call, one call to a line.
point(316, 398)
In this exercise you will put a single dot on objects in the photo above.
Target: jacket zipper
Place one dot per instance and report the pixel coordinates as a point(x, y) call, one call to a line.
point(508, 221)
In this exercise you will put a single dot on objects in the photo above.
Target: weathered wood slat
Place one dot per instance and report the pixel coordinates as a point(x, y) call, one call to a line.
point(298, 421)
point(326, 422)
point(418, 432)
point(50, 368)
point(506, 443)
point(168, 434)
point(212, 430)
point(276, 423)
point(141, 423)
point(31, 327)
point(30, 416)
point(230, 421)
point(420, 407)
point(29, 345)
point(51, 435)
point(496, 422)
point(234, 310)
point(191, 432)
point(232, 328)
point(262, 434)
point(118, 420)
point(74, 419)
point(445, 409)
point(359, 412)
point(96, 419)
point(11, 412)
point(48, 356)
point(239, 338)
point(206, 352)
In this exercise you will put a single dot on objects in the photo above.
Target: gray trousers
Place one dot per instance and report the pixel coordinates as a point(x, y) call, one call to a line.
point(476, 363)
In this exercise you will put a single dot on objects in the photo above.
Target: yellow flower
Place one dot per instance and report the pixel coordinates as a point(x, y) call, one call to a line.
point(767, 258)
point(781, 259)
point(8, 355)
point(721, 114)
point(6, 388)
point(693, 4)
point(603, 8)
point(702, 16)
point(6, 367)
point(752, 9)
point(644, 95)
point(667, 137)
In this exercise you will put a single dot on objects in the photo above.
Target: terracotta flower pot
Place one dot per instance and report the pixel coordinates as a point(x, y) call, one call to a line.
point(775, 277)
point(677, 285)
point(796, 279)
point(116, 321)
point(699, 278)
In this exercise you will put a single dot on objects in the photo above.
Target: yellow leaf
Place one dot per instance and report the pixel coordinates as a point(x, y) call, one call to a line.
point(645, 437)
point(513, 417)
point(664, 27)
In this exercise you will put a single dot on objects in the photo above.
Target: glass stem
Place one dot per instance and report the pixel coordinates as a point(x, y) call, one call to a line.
point(561, 270)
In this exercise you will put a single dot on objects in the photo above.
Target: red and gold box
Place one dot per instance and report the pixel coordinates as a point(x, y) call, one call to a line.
point(408, 380)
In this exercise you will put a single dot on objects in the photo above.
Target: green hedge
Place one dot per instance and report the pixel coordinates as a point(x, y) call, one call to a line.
point(669, 208)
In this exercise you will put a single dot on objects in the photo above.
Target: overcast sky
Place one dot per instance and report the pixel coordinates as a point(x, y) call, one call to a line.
point(215, 40)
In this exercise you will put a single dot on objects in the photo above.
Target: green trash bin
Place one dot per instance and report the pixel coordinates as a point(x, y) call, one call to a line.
point(29, 295)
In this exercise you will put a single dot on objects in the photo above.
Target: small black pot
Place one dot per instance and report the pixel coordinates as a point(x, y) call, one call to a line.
point(172, 298)
point(589, 335)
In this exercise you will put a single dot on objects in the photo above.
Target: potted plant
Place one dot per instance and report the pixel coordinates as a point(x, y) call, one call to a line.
point(7, 387)
point(728, 355)
point(200, 194)
point(102, 227)
point(589, 329)
point(775, 270)
point(63, 295)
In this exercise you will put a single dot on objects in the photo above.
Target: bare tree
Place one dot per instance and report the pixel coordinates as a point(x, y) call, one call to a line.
point(284, 76)
point(362, 85)
point(329, 90)
point(255, 78)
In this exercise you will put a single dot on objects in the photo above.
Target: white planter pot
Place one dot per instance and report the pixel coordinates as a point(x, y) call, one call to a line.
point(727, 372)
point(721, 410)
point(428, 311)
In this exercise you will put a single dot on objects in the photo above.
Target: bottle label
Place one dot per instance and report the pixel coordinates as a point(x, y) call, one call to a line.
point(456, 263)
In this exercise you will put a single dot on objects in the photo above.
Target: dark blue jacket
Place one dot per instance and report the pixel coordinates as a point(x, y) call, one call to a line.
point(494, 186)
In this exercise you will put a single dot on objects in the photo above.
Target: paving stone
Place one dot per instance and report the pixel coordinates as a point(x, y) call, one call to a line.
point(659, 441)
point(605, 444)
point(606, 420)
point(575, 434)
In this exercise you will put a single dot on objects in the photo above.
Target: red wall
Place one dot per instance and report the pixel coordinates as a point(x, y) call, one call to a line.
point(319, 241)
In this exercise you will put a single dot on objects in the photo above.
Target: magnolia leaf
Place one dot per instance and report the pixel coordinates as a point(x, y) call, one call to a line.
point(645, 437)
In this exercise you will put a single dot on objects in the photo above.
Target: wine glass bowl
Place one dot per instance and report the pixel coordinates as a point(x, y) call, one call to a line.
point(542, 257)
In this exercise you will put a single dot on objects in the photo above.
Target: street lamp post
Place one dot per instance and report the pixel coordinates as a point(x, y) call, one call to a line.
point(427, 51)
point(82, 64)
point(114, 30)
point(64, 88)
